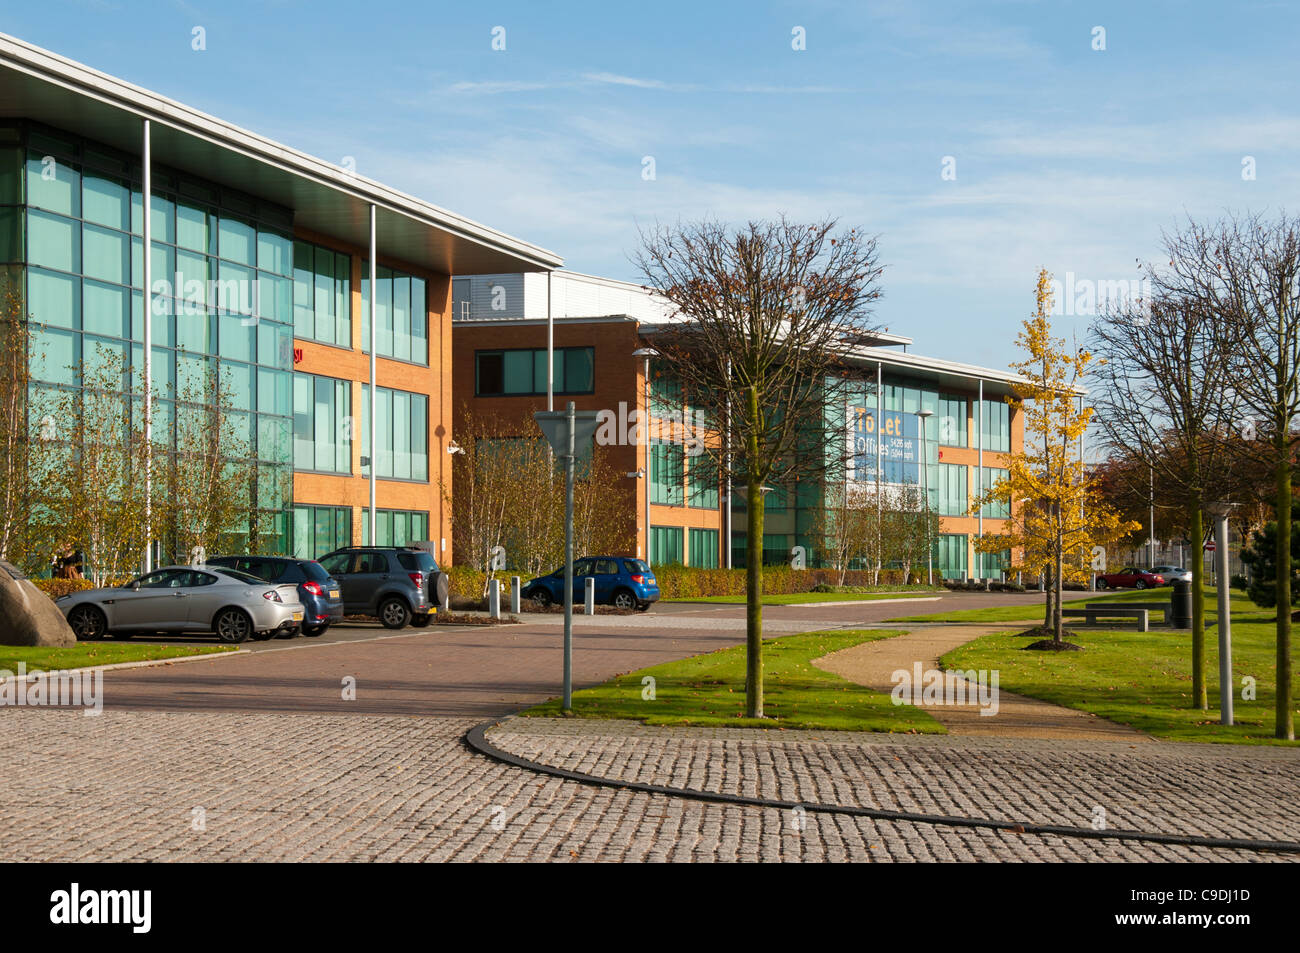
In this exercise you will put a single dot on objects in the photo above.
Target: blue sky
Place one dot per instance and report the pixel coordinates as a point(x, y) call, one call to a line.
point(1066, 157)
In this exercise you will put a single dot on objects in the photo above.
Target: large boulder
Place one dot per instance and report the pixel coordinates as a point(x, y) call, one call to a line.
point(27, 615)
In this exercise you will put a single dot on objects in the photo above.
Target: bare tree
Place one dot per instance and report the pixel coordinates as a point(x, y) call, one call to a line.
point(761, 316)
point(1167, 400)
point(19, 435)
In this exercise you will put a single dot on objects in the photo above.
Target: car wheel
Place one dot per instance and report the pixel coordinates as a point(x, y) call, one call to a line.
point(642, 607)
point(1101, 584)
point(232, 626)
point(1140, 584)
point(394, 614)
point(421, 619)
point(87, 623)
point(541, 597)
point(312, 631)
point(623, 599)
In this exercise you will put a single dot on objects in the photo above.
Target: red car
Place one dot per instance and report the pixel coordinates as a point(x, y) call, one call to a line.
point(1130, 578)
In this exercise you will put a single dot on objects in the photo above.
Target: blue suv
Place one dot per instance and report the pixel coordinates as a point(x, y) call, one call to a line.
point(622, 582)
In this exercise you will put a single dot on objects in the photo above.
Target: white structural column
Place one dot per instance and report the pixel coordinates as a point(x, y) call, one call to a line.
point(979, 480)
point(880, 418)
point(550, 348)
point(374, 391)
point(146, 188)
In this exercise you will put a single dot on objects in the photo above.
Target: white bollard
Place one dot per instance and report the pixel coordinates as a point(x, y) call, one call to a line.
point(494, 598)
point(589, 596)
point(515, 593)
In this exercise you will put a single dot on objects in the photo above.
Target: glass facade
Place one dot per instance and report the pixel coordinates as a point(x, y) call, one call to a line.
point(401, 316)
point(952, 500)
point(999, 509)
point(952, 421)
point(73, 212)
point(401, 434)
point(522, 372)
point(395, 527)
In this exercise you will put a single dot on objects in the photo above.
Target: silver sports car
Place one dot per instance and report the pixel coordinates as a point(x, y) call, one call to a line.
point(232, 604)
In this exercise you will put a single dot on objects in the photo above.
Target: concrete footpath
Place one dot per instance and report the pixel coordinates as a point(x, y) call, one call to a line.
point(873, 664)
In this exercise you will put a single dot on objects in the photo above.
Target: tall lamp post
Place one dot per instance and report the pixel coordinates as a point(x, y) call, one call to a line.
point(925, 416)
point(1220, 512)
point(647, 353)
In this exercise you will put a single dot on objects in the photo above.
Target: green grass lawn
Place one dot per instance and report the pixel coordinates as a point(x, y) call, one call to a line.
point(1143, 679)
point(1032, 608)
point(710, 690)
point(96, 653)
point(794, 598)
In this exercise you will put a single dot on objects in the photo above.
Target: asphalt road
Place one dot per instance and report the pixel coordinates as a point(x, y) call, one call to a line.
point(475, 671)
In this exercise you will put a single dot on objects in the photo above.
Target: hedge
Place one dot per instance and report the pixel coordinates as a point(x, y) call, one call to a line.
point(689, 582)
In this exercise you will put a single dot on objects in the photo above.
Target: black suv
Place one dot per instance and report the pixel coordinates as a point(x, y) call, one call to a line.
point(320, 596)
point(400, 585)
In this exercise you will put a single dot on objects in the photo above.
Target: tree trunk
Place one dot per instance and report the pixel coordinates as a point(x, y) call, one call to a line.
point(1285, 717)
point(1196, 516)
point(1058, 583)
point(1049, 590)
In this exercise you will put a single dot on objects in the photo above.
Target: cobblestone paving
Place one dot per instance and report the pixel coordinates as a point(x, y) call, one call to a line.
point(133, 785)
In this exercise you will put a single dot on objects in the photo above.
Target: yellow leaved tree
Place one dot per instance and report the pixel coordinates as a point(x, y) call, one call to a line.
point(1057, 514)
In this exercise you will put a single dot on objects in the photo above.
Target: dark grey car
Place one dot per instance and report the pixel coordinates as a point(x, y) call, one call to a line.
point(399, 585)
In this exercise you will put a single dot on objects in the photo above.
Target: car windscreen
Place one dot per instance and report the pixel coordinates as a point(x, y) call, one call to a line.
point(418, 561)
point(241, 576)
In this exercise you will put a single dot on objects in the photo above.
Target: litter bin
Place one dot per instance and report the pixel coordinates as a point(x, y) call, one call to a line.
point(1181, 604)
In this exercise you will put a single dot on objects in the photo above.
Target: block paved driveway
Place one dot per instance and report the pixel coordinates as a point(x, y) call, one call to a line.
point(259, 757)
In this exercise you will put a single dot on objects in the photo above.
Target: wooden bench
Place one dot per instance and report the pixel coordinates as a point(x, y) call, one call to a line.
point(1094, 616)
point(1164, 608)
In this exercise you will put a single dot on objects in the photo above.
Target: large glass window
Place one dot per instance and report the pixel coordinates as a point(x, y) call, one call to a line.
point(950, 555)
point(395, 527)
point(322, 295)
point(666, 474)
point(704, 548)
point(1000, 509)
point(992, 565)
point(952, 489)
point(318, 530)
point(702, 475)
point(322, 424)
point(401, 316)
point(523, 372)
point(996, 426)
point(665, 545)
point(401, 434)
point(952, 421)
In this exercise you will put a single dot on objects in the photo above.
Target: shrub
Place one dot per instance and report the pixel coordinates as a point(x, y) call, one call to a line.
point(54, 588)
point(1239, 582)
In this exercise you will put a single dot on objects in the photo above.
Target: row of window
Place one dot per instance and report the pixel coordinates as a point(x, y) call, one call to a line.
point(951, 559)
point(666, 546)
point(318, 530)
point(952, 498)
point(324, 428)
point(522, 372)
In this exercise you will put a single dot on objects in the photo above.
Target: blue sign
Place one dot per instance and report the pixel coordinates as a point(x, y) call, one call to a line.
point(899, 438)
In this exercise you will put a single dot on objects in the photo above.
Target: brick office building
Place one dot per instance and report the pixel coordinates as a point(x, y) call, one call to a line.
point(596, 327)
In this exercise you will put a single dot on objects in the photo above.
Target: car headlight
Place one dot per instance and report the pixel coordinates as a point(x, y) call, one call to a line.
point(273, 596)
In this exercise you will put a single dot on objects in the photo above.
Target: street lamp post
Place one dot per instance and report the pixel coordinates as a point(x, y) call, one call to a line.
point(925, 416)
point(1220, 513)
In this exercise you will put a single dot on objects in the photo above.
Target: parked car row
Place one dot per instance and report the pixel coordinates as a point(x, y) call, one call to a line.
point(1133, 578)
point(259, 597)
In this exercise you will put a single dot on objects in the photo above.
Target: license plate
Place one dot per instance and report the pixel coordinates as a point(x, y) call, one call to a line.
point(334, 593)
point(297, 617)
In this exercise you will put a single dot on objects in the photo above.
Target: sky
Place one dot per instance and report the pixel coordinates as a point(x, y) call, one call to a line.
point(979, 141)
